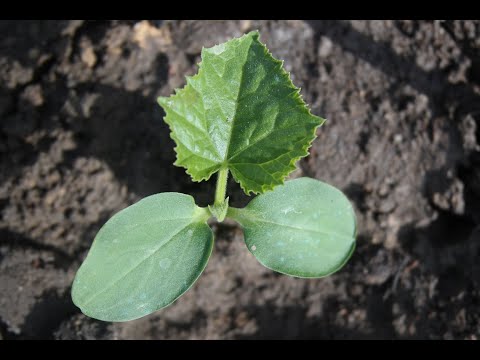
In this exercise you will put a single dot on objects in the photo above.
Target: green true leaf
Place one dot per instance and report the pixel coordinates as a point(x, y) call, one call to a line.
point(144, 258)
point(240, 112)
point(305, 228)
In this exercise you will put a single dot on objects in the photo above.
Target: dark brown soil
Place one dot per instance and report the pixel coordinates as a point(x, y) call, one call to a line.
point(81, 137)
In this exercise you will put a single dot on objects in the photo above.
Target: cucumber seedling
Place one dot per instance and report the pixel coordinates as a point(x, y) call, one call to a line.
point(240, 115)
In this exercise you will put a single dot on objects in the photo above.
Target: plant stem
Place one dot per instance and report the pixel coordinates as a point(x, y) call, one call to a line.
point(221, 186)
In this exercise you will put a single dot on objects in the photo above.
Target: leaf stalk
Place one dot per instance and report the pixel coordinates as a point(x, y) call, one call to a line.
point(221, 190)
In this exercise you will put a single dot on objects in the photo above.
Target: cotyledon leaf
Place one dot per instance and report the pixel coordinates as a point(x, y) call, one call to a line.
point(304, 228)
point(241, 112)
point(144, 258)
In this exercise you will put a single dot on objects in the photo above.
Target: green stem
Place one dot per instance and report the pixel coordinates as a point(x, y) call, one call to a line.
point(221, 186)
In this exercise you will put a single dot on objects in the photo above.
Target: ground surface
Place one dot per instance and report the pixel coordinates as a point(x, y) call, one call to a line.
point(81, 137)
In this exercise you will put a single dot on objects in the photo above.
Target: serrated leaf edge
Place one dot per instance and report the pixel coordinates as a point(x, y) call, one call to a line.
point(296, 95)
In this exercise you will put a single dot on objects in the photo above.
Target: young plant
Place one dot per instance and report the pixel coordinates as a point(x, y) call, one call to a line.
point(242, 115)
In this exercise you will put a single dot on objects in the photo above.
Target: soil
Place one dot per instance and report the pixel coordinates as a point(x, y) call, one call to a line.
point(81, 137)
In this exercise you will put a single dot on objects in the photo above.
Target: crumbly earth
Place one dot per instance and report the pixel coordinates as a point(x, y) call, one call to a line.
point(81, 137)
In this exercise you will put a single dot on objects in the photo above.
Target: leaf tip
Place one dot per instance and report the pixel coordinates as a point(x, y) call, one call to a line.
point(254, 34)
